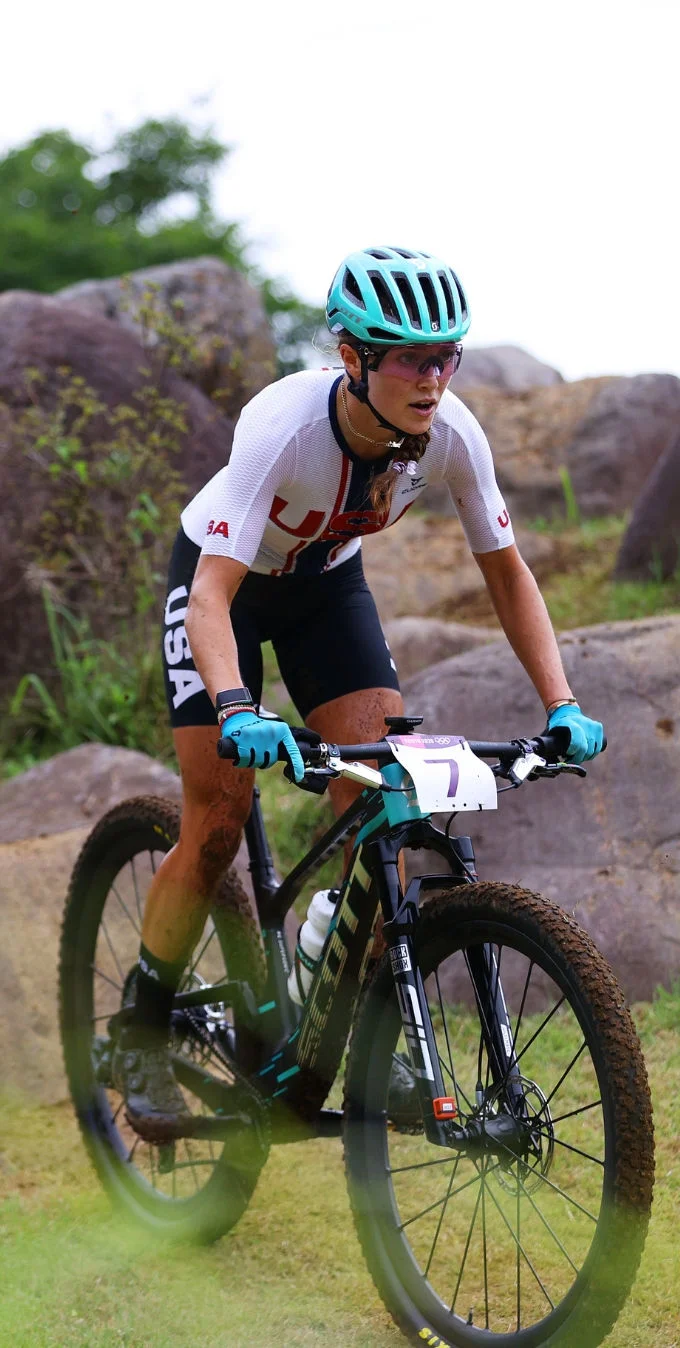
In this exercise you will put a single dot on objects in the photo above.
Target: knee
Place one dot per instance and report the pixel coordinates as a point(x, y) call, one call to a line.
point(208, 842)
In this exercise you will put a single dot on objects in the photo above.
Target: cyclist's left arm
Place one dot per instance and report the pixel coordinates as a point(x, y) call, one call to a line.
point(525, 620)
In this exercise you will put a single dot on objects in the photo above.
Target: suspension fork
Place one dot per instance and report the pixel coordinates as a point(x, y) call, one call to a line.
point(400, 920)
point(401, 914)
point(496, 1025)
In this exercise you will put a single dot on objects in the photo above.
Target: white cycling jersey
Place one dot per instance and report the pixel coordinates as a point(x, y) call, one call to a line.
point(293, 497)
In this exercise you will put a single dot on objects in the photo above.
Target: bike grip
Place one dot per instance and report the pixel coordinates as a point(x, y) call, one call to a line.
point(226, 748)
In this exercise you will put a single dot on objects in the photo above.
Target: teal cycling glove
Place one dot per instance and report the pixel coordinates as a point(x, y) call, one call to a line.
point(257, 739)
point(586, 736)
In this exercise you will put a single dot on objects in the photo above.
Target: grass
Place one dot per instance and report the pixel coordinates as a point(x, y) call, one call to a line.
point(291, 1272)
point(578, 582)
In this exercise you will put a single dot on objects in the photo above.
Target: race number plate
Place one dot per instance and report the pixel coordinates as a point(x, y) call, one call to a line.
point(445, 773)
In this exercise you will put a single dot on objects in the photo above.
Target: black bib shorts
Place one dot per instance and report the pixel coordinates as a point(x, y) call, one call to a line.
point(325, 631)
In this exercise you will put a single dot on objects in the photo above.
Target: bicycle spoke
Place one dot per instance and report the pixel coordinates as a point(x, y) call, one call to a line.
point(546, 1224)
point(573, 1112)
point(521, 1250)
point(441, 1216)
point(448, 1044)
point(116, 961)
point(485, 1253)
point(126, 910)
point(117, 986)
point(456, 1085)
point(467, 1243)
point(563, 1077)
point(556, 1189)
point(421, 1165)
point(521, 1008)
point(439, 1202)
point(192, 1162)
point(586, 1155)
point(516, 1059)
point(136, 887)
point(518, 1266)
point(194, 963)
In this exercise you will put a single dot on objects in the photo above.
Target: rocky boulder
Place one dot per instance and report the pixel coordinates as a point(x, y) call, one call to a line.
point(49, 335)
point(608, 433)
point(45, 817)
point(651, 543)
point(505, 367)
point(607, 849)
point(217, 307)
point(424, 566)
point(44, 334)
point(417, 643)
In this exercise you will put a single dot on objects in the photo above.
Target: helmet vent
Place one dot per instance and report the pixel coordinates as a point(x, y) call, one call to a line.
point(351, 288)
point(430, 299)
point(409, 299)
point(379, 254)
point(385, 299)
point(448, 296)
point(404, 252)
point(461, 296)
point(381, 335)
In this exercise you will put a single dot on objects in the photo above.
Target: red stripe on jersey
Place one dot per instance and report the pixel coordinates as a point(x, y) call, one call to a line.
point(291, 558)
point(344, 477)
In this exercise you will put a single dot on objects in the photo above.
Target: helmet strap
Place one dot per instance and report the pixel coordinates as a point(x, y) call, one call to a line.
point(359, 388)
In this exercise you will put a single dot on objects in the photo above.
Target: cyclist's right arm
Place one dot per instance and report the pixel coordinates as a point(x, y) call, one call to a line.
point(208, 624)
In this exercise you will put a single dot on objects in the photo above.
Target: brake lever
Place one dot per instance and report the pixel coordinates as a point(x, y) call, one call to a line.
point(555, 771)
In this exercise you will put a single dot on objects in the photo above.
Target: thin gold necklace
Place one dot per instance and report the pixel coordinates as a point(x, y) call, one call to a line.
point(386, 444)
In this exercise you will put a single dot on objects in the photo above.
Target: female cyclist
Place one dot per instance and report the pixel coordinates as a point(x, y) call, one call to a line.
point(270, 549)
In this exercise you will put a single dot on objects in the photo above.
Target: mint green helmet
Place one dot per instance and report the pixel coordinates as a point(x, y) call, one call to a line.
point(390, 295)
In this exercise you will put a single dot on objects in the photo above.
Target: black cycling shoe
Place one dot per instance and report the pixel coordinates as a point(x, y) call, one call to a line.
point(154, 1104)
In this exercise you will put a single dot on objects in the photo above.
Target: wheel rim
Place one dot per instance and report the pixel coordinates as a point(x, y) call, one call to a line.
point(498, 1243)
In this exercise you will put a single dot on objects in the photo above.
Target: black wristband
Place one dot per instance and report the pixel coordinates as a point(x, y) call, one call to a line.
point(232, 696)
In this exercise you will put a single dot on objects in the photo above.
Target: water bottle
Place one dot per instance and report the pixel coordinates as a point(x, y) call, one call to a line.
point(310, 942)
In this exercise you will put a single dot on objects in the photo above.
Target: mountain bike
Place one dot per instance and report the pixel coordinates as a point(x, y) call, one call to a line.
point(496, 1117)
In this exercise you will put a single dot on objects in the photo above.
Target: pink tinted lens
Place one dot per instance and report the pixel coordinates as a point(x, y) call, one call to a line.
point(412, 362)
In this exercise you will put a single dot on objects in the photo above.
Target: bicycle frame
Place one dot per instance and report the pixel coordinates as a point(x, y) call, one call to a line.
point(302, 1047)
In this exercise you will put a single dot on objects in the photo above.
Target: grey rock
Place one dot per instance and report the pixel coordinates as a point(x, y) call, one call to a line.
point(74, 789)
point(505, 367)
point(651, 543)
point(608, 433)
point(606, 849)
point(417, 643)
point(628, 427)
point(45, 816)
point(213, 302)
point(45, 334)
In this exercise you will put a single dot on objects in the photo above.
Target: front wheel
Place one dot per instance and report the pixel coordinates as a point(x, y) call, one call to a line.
point(533, 1242)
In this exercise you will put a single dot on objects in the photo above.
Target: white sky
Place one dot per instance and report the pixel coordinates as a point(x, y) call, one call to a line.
point(534, 145)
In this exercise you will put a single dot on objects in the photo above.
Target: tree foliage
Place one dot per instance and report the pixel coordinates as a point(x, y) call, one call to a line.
point(70, 213)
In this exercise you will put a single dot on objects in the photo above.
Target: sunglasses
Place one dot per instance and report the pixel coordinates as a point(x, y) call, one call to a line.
point(413, 362)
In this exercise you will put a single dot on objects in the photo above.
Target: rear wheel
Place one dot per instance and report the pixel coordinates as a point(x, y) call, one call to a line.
point(195, 1188)
point(536, 1240)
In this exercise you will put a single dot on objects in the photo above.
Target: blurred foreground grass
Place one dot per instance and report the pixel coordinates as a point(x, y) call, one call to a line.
point(291, 1273)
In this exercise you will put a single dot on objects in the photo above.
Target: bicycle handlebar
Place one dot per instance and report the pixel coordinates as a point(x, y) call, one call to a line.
point(551, 746)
